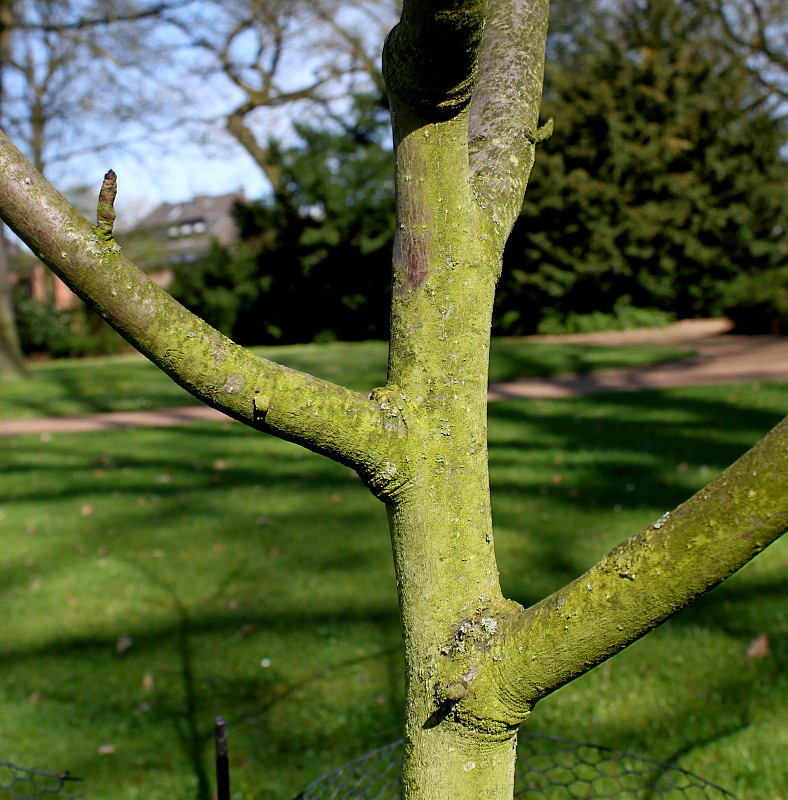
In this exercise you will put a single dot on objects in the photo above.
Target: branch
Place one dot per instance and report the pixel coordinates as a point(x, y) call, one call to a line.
point(328, 419)
point(108, 19)
point(647, 578)
point(237, 127)
point(430, 58)
point(505, 108)
point(105, 211)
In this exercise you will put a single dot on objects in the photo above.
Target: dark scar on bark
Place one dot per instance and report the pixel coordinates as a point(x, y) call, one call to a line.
point(411, 247)
point(412, 257)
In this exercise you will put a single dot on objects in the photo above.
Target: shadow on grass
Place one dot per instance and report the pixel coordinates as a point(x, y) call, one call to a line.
point(559, 471)
point(92, 386)
point(197, 691)
point(566, 473)
point(513, 359)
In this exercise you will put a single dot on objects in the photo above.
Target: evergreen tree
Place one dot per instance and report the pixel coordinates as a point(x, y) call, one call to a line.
point(321, 245)
point(663, 181)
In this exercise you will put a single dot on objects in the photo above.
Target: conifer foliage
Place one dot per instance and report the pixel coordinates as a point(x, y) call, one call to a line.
point(314, 262)
point(662, 182)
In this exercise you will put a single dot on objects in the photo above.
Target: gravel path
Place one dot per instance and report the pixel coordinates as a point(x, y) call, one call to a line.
point(719, 358)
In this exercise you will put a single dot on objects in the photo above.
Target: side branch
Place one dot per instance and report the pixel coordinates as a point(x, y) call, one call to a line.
point(105, 211)
point(504, 111)
point(430, 57)
point(344, 425)
point(649, 577)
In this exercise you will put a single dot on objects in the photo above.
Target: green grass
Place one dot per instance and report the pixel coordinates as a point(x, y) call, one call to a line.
point(254, 580)
point(131, 383)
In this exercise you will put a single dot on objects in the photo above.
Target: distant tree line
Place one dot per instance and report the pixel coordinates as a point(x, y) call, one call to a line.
point(663, 187)
point(662, 192)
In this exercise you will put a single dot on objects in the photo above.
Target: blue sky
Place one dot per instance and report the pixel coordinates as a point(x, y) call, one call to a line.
point(179, 148)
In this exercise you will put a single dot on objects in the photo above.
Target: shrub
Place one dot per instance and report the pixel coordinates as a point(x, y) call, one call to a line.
point(63, 334)
point(759, 303)
point(623, 316)
point(40, 327)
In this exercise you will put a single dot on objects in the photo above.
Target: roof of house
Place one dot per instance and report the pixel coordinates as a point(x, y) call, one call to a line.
point(186, 230)
point(207, 208)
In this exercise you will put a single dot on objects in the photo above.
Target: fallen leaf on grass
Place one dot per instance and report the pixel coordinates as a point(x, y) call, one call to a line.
point(759, 647)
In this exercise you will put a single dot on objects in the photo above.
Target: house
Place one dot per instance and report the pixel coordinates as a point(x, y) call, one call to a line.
point(181, 233)
point(173, 233)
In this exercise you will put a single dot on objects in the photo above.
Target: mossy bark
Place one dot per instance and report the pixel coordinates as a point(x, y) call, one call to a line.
point(465, 104)
point(445, 269)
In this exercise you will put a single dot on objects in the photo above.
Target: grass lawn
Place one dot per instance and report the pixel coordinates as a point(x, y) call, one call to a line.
point(154, 579)
point(130, 382)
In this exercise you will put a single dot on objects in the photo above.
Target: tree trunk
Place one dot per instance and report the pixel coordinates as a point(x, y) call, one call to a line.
point(445, 268)
point(12, 364)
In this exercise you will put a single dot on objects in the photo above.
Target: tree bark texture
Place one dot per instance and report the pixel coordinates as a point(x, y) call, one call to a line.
point(465, 83)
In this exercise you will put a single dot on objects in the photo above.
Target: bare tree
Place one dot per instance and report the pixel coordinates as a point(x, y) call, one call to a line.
point(65, 73)
point(757, 32)
point(11, 362)
point(264, 55)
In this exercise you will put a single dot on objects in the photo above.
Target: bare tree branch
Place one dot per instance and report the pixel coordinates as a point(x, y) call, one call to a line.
point(325, 418)
point(505, 108)
point(110, 18)
point(755, 31)
point(647, 578)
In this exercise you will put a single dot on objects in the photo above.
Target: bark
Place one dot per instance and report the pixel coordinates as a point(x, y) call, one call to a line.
point(505, 110)
point(12, 363)
point(431, 56)
point(445, 268)
point(476, 663)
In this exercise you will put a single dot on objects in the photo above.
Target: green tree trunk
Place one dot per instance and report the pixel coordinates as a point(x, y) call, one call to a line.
point(464, 80)
point(445, 268)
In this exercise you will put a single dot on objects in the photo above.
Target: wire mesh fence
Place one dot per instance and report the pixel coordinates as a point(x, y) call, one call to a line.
point(548, 768)
point(21, 783)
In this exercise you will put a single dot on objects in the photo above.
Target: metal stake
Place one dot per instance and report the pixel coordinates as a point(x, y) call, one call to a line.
point(222, 764)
